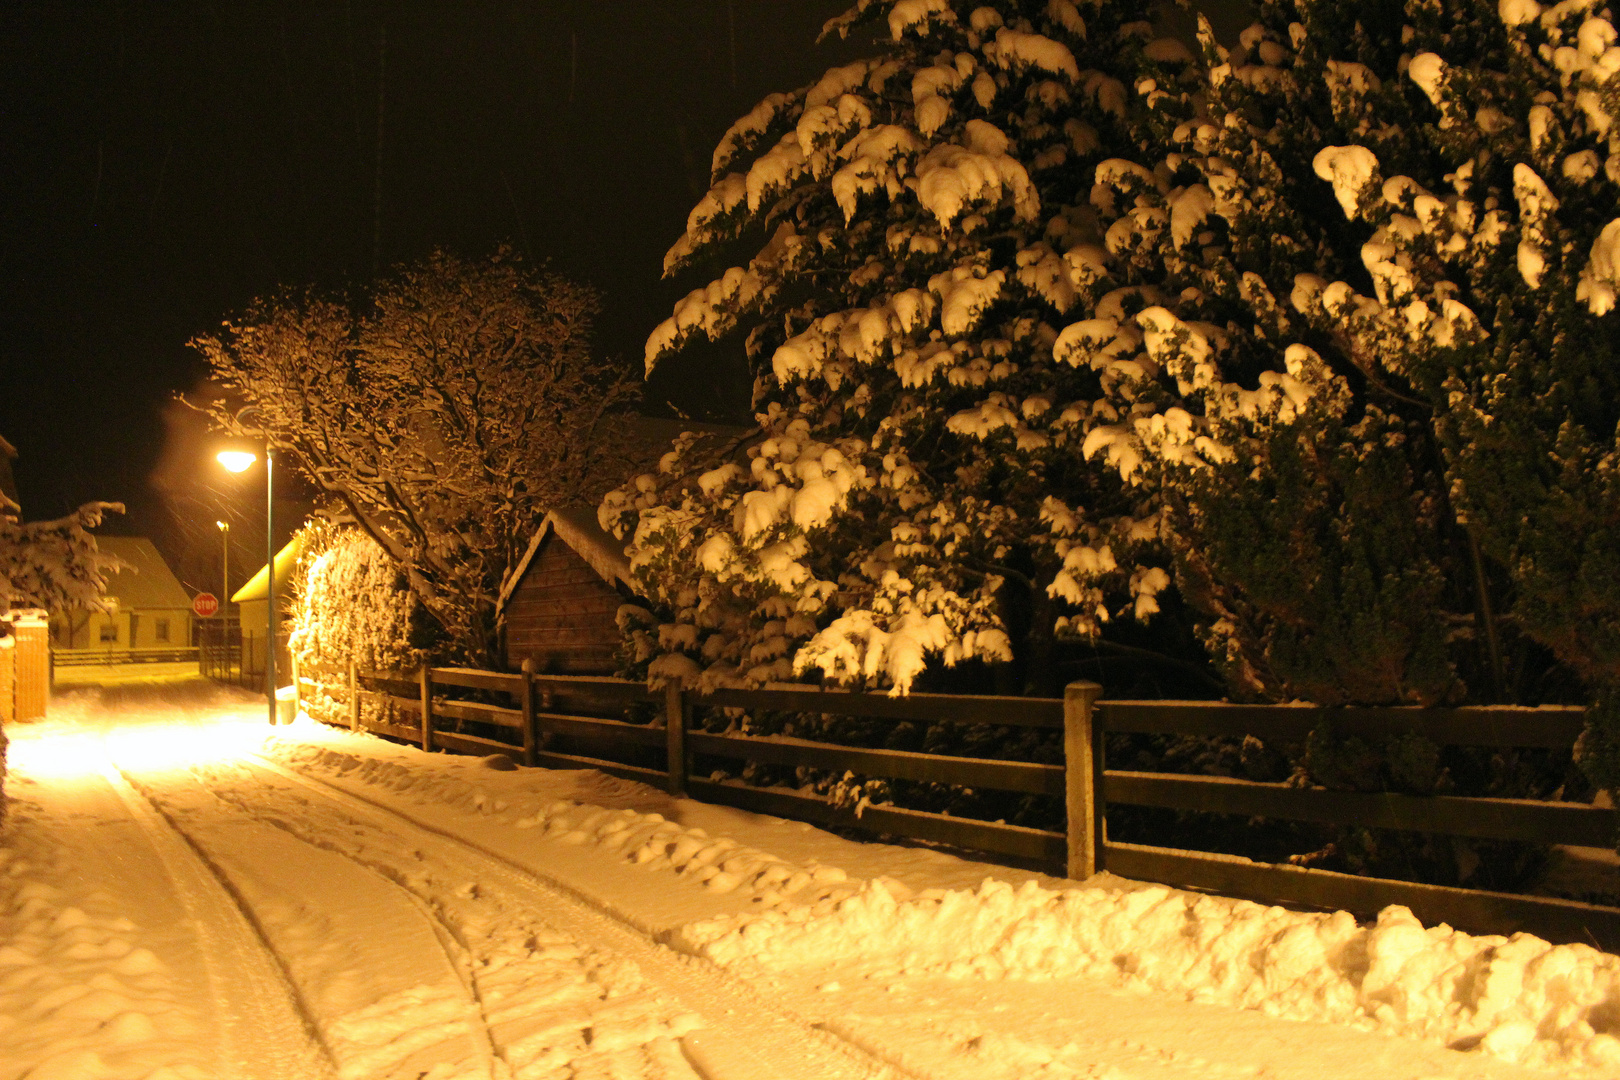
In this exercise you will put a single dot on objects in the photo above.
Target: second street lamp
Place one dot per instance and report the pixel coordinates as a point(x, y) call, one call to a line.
point(224, 570)
point(238, 461)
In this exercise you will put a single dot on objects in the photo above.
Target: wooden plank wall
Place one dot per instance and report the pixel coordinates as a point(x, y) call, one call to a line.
point(8, 664)
point(562, 615)
point(32, 671)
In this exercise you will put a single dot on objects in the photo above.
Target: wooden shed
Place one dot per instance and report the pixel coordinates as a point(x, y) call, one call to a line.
point(561, 603)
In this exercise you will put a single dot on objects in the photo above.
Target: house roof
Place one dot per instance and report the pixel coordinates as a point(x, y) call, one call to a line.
point(578, 528)
point(146, 580)
point(286, 558)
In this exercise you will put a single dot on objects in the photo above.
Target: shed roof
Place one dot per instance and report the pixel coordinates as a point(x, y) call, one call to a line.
point(577, 527)
point(146, 580)
point(286, 558)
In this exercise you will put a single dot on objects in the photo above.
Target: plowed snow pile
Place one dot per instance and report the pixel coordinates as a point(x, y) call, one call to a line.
point(719, 864)
point(1517, 998)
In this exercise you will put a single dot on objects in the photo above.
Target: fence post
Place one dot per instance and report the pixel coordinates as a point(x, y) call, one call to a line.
point(292, 665)
point(675, 737)
point(354, 698)
point(427, 708)
point(528, 711)
point(1083, 758)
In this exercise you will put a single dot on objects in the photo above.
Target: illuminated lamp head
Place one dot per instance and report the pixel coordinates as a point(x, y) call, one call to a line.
point(236, 460)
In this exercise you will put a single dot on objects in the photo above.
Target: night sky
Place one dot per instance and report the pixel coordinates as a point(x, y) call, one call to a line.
point(162, 164)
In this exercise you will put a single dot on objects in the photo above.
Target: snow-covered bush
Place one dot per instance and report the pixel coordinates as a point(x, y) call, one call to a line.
point(350, 601)
point(446, 415)
point(1385, 233)
point(1492, 256)
point(1340, 376)
point(1303, 490)
point(916, 474)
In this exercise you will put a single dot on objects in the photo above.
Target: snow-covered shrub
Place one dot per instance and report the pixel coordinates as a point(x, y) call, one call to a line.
point(350, 601)
point(1409, 207)
point(1303, 492)
point(916, 473)
point(1344, 381)
point(1492, 256)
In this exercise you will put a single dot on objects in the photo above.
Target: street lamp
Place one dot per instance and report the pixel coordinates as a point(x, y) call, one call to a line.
point(237, 461)
point(224, 569)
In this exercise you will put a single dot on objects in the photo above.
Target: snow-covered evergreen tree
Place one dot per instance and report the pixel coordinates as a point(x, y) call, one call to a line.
point(1509, 218)
point(53, 565)
point(48, 564)
point(915, 490)
point(1383, 239)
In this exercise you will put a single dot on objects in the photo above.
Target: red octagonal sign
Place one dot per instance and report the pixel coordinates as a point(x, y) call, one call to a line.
point(204, 605)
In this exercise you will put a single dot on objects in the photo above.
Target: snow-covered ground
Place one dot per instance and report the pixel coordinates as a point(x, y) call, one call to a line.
point(187, 893)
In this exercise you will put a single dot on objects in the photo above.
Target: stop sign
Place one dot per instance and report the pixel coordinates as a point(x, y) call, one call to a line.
point(204, 604)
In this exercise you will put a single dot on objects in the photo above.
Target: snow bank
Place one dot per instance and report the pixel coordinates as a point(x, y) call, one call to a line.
point(80, 997)
point(650, 840)
point(1516, 998)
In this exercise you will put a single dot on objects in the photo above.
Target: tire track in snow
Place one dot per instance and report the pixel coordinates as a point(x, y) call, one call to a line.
point(549, 1001)
point(332, 971)
point(265, 1029)
point(746, 1038)
point(454, 950)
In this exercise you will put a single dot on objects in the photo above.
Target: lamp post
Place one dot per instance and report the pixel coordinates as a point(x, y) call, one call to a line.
point(224, 569)
point(238, 461)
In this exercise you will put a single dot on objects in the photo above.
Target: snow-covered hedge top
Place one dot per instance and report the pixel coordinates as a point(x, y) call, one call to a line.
point(350, 602)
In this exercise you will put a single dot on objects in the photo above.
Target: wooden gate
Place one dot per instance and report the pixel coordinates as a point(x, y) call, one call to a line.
point(31, 659)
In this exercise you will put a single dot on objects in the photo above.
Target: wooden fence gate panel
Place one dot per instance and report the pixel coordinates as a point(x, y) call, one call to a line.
point(31, 666)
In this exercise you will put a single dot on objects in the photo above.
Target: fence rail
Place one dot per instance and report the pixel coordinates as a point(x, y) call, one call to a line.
point(552, 726)
point(89, 657)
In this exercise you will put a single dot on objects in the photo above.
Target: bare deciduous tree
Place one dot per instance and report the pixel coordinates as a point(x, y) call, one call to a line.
point(446, 414)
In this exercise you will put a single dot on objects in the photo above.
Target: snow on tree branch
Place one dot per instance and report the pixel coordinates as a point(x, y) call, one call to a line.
point(926, 233)
point(446, 414)
point(55, 564)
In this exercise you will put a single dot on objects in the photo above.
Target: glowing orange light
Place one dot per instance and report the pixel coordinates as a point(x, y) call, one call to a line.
point(236, 460)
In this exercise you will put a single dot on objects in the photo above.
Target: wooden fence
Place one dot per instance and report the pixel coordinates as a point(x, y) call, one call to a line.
point(95, 657)
point(552, 725)
point(28, 659)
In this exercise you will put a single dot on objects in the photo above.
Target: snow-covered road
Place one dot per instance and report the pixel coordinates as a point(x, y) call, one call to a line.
point(181, 896)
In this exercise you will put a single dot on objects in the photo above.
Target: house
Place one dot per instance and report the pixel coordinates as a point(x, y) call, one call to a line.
point(150, 609)
point(253, 612)
point(561, 603)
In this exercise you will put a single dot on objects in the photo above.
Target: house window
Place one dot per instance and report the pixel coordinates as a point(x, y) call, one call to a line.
point(160, 629)
point(109, 631)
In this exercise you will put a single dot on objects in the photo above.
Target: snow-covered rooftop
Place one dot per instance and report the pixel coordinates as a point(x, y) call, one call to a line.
point(577, 527)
